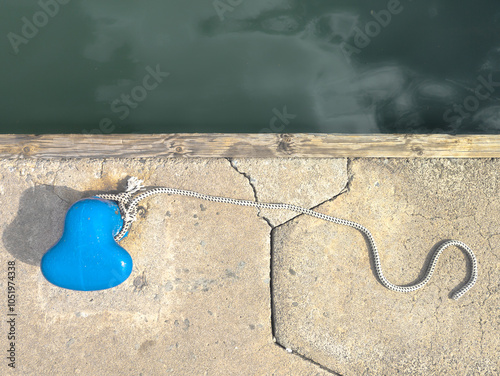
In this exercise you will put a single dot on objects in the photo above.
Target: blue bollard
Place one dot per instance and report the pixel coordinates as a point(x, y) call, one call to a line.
point(87, 257)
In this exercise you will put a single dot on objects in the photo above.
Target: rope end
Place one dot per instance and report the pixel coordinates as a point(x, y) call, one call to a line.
point(134, 185)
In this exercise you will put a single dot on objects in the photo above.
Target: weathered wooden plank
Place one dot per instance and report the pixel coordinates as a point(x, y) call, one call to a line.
point(208, 145)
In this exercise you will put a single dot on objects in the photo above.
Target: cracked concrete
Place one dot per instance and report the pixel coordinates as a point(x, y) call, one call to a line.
point(201, 300)
point(277, 180)
point(329, 305)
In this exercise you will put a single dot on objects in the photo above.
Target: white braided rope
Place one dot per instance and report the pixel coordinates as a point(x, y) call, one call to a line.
point(128, 207)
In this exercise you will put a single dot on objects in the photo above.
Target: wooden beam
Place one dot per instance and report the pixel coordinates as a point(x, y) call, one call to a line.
point(212, 145)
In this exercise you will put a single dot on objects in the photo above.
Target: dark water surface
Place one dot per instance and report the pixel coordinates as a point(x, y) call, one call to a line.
point(337, 66)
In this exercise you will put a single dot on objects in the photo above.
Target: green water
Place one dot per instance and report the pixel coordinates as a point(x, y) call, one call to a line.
point(253, 66)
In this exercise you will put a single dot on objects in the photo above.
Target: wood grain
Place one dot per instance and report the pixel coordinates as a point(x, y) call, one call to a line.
point(212, 145)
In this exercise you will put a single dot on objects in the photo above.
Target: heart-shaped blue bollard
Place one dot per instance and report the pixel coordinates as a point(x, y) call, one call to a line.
point(87, 257)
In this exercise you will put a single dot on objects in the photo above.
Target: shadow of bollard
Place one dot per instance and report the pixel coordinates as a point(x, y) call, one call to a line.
point(39, 222)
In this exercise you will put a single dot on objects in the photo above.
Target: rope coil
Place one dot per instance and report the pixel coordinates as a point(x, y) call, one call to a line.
point(128, 207)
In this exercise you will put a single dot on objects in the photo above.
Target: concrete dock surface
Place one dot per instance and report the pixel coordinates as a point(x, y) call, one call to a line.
point(219, 289)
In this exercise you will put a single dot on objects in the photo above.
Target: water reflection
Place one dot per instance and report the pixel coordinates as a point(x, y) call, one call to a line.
point(364, 67)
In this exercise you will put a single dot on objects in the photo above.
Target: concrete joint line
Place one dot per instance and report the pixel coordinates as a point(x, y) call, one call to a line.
point(345, 190)
point(254, 189)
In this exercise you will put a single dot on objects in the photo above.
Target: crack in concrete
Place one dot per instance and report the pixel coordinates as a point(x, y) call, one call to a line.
point(479, 227)
point(53, 190)
point(303, 357)
point(489, 239)
point(350, 174)
point(254, 189)
point(345, 190)
point(60, 198)
point(102, 168)
point(56, 175)
point(438, 306)
point(249, 178)
point(342, 192)
point(433, 218)
point(481, 341)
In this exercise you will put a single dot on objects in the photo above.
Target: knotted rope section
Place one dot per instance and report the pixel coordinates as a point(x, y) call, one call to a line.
point(128, 207)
